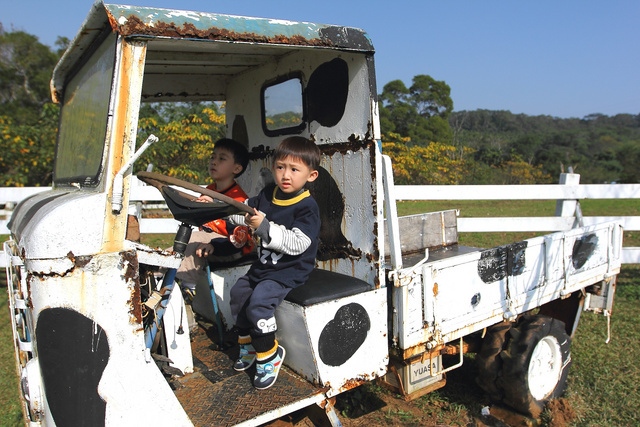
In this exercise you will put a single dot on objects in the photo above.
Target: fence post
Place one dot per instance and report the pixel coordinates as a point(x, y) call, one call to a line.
point(569, 207)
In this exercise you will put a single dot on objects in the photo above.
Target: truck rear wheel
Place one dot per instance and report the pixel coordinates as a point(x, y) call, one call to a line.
point(489, 362)
point(535, 364)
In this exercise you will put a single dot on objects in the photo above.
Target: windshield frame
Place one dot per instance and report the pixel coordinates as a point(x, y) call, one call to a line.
point(81, 141)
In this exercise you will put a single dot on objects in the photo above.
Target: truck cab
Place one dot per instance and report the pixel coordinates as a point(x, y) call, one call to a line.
point(82, 284)
point(100, 329)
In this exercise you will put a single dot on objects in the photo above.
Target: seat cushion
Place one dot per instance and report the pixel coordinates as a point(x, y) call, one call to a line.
point(324, 285)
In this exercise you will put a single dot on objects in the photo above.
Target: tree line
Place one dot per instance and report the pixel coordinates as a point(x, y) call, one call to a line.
point(428, 142)
point(499, 147)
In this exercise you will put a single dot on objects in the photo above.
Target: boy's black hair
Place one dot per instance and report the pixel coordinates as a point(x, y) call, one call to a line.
point(239, 151)
point(299, 148)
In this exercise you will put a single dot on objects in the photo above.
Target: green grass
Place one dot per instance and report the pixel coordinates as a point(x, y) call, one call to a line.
point(158, 240)
point(10, 411)
point(604, 378)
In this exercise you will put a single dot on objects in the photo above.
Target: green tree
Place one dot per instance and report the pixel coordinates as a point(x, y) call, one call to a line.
point(597, 147)
point(28, 118)
point(435, 164)
point(26, 66)
point(419, 112)
point(27, 150)
point(628, 157)
point(186, 133)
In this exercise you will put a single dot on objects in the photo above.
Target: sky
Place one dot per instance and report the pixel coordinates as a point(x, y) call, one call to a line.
point(562, 58)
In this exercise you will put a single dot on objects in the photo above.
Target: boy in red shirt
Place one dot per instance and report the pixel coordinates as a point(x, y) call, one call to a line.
point(228, 161)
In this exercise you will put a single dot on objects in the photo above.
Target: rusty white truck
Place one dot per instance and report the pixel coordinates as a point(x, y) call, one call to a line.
point(101, 332)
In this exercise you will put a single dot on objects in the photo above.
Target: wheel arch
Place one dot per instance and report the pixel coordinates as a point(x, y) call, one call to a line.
point(567, 310)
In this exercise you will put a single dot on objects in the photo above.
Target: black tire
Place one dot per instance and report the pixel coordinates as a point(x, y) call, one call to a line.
point(535, 364)
point(489, 362)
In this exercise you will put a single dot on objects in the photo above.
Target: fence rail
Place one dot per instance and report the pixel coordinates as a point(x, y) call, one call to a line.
point(567, 194)
point(567, 215)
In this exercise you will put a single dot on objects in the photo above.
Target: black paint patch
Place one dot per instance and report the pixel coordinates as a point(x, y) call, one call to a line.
point(239, 131)
point(497, 263)
point(583, 248)
point(333, 244)
point(344, 335)
point(475, 300)
point(348, 37)
point(327, 92)
point(73, 352)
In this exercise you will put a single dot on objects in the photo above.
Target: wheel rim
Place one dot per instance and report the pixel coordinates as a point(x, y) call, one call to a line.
point(545, 367)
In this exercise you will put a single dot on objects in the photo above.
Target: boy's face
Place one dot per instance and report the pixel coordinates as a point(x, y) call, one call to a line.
point(222, 165)
point(292, 174)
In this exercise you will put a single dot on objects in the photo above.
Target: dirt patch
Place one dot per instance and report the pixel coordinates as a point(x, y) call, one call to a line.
point(560, 413)
point(461, 402)
point(373, 406)
point(441, 411)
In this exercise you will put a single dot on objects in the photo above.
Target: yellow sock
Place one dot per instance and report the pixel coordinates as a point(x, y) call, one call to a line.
point(268, 354)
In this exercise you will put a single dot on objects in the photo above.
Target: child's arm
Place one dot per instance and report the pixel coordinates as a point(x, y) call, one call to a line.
point(277, 237)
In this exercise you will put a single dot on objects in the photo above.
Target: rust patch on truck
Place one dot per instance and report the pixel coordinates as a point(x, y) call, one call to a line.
point(129, 262)
point(352, 383)
point(135, 26)
point(77, 262)
point(80, 261)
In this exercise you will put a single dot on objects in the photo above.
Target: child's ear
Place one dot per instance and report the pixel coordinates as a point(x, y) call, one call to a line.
point(237, 168)
point(312, 176)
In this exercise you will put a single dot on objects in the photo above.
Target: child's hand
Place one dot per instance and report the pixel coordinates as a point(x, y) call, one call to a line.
point(204, 198)
point(204, 250)
point(254, 220)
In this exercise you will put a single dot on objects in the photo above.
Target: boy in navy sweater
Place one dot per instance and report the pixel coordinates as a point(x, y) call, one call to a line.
point(287, 222)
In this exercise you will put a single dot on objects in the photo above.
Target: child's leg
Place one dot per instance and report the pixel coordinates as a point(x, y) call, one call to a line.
point(268, 366)
point(192, 266)
point(260, 310)
point(247, 354)
point(239, 298)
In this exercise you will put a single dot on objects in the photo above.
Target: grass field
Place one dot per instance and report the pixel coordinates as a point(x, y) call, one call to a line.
point(603, 378)
point(10, 412)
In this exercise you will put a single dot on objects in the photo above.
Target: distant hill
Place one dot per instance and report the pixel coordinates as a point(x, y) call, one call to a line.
point(598, 147)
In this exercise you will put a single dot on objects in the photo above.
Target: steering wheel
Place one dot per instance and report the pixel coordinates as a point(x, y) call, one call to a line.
point(183, 206)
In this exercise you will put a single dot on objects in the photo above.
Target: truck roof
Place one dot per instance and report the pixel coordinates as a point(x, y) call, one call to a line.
point(154, 24)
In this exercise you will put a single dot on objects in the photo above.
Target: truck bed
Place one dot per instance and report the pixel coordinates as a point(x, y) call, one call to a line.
point(216, 395)
point(460, 290)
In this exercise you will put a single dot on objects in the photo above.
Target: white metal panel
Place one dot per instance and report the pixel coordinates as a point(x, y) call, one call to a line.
point(243, 96)
point(370, 360)
point(365, 361)
point(293, 335)
point(223, 281)
point(460, 299)
point(54, 229)
point(176, 331)
point(100, 292)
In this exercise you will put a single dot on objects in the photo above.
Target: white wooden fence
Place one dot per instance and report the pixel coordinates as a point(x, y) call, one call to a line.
point(568, 214)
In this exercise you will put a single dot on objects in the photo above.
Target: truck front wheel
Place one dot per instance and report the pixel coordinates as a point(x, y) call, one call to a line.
point(535, 364)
